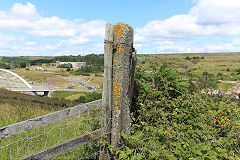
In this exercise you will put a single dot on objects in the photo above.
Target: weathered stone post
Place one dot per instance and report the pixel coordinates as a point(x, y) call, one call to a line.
point(119, 67)
point(122, 91)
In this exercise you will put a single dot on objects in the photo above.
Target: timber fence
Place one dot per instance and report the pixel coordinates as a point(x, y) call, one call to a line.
point(53, 134)
point(86, 130)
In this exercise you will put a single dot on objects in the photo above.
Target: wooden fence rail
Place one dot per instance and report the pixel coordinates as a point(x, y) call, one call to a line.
point(24, 126)
point(64, 147)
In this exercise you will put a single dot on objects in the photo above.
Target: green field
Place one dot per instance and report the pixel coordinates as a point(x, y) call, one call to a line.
point(221, 66)
point(212, 62)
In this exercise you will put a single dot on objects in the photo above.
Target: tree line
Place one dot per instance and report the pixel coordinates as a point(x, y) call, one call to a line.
point(93, 61)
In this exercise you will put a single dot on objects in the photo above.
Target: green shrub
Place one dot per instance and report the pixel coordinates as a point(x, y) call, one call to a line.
point(170, 122)
point(82, 99)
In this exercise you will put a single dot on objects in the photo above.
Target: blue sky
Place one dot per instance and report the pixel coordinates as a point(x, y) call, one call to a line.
point(73, 27)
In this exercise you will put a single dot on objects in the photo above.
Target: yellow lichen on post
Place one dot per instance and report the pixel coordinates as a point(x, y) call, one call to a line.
point(119, 29)
point(115, 61)
point(123, 48)
point(120, 49)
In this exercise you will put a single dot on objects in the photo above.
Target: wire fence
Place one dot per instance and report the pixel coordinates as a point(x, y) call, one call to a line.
point(74, 134)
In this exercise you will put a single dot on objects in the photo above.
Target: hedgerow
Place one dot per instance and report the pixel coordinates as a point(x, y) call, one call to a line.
point(172, 121)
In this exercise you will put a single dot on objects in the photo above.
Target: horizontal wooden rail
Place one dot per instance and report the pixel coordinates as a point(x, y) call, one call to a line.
point(66, 146)
point(23, 126)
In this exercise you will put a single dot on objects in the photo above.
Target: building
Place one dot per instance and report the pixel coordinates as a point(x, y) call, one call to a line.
point(44, 65)
point(40, 68)
point(52, 64)
point(74, 64)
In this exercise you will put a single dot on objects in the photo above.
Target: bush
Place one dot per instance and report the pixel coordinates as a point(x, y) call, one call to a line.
point(220, 75)
point(4, 65)
point(82, 99)
point(170, 122)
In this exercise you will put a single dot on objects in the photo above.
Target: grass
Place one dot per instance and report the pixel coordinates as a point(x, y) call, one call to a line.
point(225, 86)
point(17, 108)
point(64, 94)
point(55, 133)
point(34, 76)
point(72, 96)
point(38, 57)
point(54, 78)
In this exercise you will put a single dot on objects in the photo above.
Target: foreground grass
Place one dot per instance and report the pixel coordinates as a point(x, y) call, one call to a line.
point(44, 137)
point(16, 108)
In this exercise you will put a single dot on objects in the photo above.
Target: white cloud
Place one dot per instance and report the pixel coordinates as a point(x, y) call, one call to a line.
point(27, 46)
point(25, 18)
point(191, 47)
point(71, 36)
point(27, 11)
point(206, 19)
point(216, 11)
point(76, 40)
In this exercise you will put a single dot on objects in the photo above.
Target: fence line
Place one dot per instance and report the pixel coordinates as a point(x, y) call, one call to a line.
point(23, 126)
point(66, 146)
point(10, 150)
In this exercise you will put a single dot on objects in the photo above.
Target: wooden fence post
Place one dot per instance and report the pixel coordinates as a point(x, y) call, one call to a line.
point(119, 67)
point(122, 77)
point(107, 92)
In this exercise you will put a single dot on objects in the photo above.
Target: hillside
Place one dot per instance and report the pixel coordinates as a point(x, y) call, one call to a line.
point(16, 107)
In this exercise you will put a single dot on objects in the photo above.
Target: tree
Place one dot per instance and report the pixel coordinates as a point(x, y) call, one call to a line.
point(68, 65)
point(4, 65)
point(23, 65)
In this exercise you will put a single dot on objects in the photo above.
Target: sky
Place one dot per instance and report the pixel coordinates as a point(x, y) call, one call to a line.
point(77, 27)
